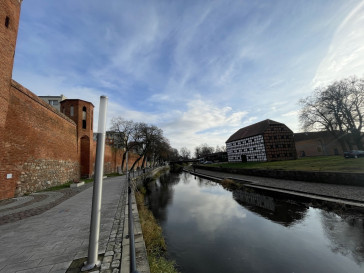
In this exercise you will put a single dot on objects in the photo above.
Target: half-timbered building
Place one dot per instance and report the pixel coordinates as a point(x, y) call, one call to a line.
point(267, 140)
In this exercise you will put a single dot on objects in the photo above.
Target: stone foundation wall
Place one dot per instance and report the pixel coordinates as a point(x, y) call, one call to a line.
point(40, 174)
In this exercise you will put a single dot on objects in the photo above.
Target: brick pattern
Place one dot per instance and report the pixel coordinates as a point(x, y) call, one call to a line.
point(81, 112)
point(36, 139)
point(8, 35)
point(113, 159)
point(279, 143)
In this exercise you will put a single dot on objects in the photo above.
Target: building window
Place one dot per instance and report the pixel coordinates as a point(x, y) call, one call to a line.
point(53, 102)
point(84, 117)
point(7, 21)
point(72, 111)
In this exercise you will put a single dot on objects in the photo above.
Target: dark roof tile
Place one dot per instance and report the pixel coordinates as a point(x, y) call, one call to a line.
point(252, 130)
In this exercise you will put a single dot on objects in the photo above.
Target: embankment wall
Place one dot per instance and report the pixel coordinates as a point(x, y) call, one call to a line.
point(353, 179)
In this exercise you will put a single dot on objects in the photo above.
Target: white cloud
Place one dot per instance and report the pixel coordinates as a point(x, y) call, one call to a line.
point(202, 122)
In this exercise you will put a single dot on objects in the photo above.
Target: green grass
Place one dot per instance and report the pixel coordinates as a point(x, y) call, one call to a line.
point(153, 237)
point(58, 187)
point(67, 185)
point(318, 163)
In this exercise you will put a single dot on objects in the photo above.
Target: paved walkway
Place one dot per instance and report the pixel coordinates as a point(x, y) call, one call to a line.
point(349, 193)
point(45, 232)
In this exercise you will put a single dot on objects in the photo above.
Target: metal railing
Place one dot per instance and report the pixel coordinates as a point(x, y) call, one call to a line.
point(131, 219)
point(131, 232)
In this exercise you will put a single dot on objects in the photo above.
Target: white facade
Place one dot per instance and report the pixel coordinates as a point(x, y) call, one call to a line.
point(55, 101)
point(253, 147)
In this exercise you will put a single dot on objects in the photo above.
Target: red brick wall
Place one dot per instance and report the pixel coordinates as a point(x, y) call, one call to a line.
point(318, 146)
point(279, 143)
point(113, 159)
point(8, 35)
point(39, 145)
point(85, 135)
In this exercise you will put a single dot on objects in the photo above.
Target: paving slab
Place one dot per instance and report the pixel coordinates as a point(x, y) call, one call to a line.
point(51, 240)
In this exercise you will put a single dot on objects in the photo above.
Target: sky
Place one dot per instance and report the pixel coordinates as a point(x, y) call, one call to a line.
point(198, 69)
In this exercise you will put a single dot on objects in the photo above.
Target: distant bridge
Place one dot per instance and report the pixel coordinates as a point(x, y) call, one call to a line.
point(183, 161)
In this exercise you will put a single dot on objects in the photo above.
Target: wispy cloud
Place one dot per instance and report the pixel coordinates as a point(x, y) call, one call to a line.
point(198, 69)
point(345, 56)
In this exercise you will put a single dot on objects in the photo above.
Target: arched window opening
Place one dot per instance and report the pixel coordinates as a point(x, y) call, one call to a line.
point(71, 111)
point(84, 117)
point(7, 21)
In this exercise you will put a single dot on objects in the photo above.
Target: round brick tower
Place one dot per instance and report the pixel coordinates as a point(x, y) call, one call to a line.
point(9, 23)
point(82, 112)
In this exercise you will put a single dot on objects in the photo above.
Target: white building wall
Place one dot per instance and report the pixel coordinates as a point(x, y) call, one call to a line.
point(253, 147)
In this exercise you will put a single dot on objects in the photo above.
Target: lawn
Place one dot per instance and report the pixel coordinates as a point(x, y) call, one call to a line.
point(318, 163)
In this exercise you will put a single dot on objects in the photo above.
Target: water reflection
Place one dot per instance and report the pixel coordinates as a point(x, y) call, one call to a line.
point(282, 211)
point(210, 229)
point(160, 194)
point(346, 234)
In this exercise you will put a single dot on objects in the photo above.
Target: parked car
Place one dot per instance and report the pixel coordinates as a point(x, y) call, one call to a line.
point(354, 154)
point(207, 162)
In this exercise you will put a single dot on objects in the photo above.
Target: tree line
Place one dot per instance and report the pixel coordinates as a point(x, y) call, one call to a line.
point(145, 140)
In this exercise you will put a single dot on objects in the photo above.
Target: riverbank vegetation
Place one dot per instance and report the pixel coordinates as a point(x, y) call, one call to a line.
point(317, 163)
point(153, 237)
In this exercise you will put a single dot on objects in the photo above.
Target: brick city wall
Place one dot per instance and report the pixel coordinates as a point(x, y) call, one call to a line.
point(113, 159)
point(39, 145)
point(9, 21)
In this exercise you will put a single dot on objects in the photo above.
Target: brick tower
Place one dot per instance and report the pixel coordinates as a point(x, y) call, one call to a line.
point(81, 112)
point(9, 22)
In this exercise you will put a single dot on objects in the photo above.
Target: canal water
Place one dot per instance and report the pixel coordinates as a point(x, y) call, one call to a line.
point(211, 229)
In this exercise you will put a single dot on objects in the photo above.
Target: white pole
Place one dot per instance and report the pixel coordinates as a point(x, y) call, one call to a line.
point(92, 260)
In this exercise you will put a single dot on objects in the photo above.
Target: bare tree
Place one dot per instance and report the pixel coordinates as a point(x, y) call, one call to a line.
point(185, 153)
point(122, 132)
point(338, 108)
point(203, 150)
point(147, 138)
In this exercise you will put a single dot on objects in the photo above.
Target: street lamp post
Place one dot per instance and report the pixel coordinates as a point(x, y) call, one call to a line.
point(92, 259)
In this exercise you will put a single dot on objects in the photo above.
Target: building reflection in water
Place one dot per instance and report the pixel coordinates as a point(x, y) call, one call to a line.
point(279, 210)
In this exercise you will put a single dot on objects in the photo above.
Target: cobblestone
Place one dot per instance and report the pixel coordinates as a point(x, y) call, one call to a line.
point(111, 261)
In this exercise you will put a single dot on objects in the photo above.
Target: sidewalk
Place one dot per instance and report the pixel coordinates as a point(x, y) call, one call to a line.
point(45, 232)
point(351, 195)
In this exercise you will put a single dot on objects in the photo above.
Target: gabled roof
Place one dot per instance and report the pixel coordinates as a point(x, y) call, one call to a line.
point(252, 130)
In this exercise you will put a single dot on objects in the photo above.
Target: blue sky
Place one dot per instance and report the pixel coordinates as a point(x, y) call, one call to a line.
point(199, 70)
